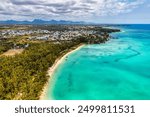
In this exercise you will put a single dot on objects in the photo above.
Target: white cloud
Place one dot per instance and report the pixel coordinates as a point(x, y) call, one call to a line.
point(64, 9)
point(148, 5)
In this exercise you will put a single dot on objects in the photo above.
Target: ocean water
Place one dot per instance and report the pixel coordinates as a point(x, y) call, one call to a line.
point(116, 70)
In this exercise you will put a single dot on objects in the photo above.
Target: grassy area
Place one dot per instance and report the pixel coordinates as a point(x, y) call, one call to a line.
point(12, 52)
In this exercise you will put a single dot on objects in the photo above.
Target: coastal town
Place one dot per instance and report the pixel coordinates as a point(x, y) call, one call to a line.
point(65, 33)
point(21, 36)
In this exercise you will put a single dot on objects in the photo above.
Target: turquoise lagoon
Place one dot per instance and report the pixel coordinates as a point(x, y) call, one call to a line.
point(116, 70)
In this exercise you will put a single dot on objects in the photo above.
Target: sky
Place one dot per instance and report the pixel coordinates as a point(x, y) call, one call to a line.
point(97, 11)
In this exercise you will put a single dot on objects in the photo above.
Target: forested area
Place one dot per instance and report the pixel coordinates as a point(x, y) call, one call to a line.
point(23, 76)
point(4, 46)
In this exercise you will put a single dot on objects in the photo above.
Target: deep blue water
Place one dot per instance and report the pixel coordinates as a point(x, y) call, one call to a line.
point(116, 70)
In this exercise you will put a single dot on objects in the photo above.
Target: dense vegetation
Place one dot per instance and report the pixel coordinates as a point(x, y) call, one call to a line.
point(93, 38)
point(4, 46)
point(106, 30)
point(23, 76)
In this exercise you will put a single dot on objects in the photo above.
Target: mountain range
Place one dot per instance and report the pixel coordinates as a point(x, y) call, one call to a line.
point(39, 21)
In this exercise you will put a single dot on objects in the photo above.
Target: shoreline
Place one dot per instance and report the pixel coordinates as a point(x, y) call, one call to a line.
point(52, 69)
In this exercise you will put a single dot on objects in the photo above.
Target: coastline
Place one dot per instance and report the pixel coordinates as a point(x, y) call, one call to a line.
point(52, 69)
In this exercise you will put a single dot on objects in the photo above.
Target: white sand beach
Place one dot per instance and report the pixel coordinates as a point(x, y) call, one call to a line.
point(52, 70)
